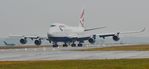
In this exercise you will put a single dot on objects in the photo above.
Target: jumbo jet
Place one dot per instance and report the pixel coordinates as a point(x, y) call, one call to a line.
point(70, 35)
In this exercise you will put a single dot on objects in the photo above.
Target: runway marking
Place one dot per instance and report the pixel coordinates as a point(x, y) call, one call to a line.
point(67, 55)
point(61, 53)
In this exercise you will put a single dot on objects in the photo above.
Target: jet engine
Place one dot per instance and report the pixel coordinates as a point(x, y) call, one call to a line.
point(116, 38)
point(37, 42)
point(91, 40)
point(23, 41)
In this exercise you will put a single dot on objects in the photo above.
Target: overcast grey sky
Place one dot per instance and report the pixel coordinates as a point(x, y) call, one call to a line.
point(33, 17)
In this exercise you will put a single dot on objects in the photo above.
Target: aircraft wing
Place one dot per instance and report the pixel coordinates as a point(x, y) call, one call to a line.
point(117, 34)
point(37, 39)
point(91, 37)
point(30, 37)
point(131, 32)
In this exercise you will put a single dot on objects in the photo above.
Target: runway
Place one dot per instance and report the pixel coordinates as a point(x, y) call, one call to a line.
point(47, 53)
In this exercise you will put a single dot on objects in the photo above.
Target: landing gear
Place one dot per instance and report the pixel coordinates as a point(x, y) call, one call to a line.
point(55, 44)
point(80, 45)
point(73, 45)
point(65, 45)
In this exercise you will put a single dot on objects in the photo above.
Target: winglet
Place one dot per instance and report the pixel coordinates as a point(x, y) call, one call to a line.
point(143, 30)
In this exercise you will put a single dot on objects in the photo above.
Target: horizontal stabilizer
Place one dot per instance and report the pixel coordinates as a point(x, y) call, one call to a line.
point(93, 28)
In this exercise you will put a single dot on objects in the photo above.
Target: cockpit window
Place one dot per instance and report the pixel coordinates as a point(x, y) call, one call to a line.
point(53, 25)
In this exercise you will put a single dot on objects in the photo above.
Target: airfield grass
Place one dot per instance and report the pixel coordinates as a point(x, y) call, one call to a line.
point(78, 64)
point(144, 47)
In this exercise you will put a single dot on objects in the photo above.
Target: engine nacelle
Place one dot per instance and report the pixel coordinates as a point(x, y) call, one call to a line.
point(37, 42)
point(91, 40)
point(23, 41)
point(116, 38)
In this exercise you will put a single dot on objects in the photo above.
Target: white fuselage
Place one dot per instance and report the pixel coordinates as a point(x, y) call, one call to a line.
point(62, 30)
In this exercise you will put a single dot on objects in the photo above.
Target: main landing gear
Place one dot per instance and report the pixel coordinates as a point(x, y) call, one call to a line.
point(80, 45)
point(66, 45)
point(74, 45)
point(55, 44)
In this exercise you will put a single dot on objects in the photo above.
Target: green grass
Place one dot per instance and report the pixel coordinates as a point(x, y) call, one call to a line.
point(120, 48)
point(78, 64)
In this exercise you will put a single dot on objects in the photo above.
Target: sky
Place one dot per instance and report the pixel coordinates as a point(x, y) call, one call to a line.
point(33, 17)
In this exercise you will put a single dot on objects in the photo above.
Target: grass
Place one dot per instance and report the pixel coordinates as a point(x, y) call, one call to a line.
point(78, 64)
point(120, 48)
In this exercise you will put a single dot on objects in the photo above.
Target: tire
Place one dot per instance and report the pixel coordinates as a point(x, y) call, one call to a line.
point(65, 45)
point(80, 45)
point(73, 45)
point(55, 45)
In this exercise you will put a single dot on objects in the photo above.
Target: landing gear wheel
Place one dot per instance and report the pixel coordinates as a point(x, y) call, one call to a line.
point(80, 45)
point(55, 45)
point(65, 45)
point(73, 45)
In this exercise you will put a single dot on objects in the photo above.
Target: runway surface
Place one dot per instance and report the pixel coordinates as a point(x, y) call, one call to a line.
point(47, 53)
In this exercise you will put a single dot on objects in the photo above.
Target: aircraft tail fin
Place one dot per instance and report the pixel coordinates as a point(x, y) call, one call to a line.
point(81, 24)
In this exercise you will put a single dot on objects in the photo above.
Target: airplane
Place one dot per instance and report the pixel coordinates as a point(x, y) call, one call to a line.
point(7, 44)
point(59, 32)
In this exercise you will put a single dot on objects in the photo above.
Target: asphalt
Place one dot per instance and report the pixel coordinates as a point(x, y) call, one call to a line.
point(49, 53)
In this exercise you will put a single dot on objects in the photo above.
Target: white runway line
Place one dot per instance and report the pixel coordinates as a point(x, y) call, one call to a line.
point(66, 55)
point(62, 53)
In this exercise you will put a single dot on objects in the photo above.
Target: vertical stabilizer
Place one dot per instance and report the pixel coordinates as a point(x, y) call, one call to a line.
point(81, 24)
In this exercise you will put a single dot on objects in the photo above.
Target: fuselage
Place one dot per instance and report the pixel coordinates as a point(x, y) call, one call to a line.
point(62, 30)
point(63, 33)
